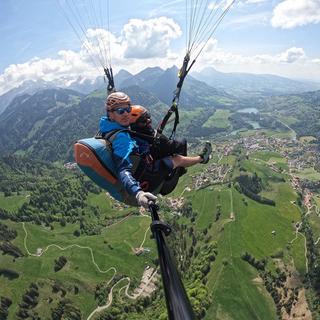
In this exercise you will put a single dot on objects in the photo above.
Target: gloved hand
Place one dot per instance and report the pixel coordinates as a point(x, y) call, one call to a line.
point(144, 198)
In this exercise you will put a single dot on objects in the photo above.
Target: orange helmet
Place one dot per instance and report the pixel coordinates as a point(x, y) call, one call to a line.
point(136, 112)
point(117, 99)
point(140, 116)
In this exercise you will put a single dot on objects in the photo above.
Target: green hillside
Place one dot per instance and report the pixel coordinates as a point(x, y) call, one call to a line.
point(246, 225)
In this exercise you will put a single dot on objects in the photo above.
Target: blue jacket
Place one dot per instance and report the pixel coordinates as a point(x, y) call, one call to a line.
point(123, 146)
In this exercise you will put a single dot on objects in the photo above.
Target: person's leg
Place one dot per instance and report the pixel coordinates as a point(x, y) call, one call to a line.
point(182, 161)
point(203, 157)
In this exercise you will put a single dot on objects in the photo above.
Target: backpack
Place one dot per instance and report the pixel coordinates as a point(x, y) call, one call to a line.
point(94, 157)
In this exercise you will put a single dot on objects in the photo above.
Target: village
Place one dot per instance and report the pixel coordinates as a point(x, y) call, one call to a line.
point(298, 155)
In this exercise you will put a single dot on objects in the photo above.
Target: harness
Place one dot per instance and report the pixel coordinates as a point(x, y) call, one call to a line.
point(143, 168)
point(109, 137)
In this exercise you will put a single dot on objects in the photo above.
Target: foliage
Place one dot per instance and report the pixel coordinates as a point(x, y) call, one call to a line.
point(5, 303)
point(65, 310)
point(251, 186)
point(102, 289)
point(7, 233)
point(196, 256)
point(29, 301)
point(258, 264)
point(304, 107)
point(10, 249)
point(313, 254)
point(59, 263)
point(23, 173)
point(9, 273)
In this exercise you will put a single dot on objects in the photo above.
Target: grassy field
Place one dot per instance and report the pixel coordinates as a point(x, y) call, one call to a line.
point(268, 133)
point(289, 120)
point(309, 173)
point(244, 225)
point(316, 199)
point(261, 230)
point(315, 224)
point(267, 155)
point(234, 290)
point(14, 202)
point(298, 253)
point(219, 119)
point(271, 158)
point(85, 268)
point(104, 203)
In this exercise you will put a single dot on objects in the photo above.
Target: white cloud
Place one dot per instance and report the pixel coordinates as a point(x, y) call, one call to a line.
point(149, 38)
point(141, 39)
point(292, 13)
point(146, 43)
point(292, 55)
point(292, 62)
point(213, 54)
point(68, 66)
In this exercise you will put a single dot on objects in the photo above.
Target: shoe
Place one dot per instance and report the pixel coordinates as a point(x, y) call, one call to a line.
point(206, 152)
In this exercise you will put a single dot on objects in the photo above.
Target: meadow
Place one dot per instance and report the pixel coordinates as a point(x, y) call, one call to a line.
point(219, 119)
point(263, 231)
point(91, 260)
point(235, 223)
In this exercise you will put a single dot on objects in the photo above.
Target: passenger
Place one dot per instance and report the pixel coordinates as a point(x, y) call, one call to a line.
point(118, 107)
point(142, 124)
point(160, 145)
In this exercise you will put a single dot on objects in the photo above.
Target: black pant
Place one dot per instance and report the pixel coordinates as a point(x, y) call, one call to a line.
point(161, 148)
point(164, 147)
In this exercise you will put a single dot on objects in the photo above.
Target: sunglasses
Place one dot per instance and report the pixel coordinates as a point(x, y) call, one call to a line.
point(122, 110)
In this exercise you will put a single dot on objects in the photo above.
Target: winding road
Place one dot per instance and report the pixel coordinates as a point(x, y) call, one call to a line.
point(110, 295)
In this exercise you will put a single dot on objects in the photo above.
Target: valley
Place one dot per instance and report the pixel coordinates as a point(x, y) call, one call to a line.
point(246, 225)
point(208, 202)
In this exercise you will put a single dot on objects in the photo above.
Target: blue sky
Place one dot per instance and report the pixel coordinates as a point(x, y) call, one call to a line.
point(257, 36)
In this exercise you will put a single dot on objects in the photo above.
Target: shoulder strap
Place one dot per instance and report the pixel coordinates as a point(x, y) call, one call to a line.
point(109, 136)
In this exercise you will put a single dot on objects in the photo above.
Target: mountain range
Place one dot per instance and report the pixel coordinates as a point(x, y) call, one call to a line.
point(162, 84)
point(248, 85)
point(46, 122)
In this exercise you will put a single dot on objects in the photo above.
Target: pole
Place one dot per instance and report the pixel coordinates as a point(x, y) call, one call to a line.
point(178, 304)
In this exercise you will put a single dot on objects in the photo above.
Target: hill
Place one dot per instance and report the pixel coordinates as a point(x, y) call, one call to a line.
point(45, 125)
point(31, 122)
point(57, 117)
point(299, 111)
point(239, 258)
point(253, 85)
point(27, 87)
point(162, 83)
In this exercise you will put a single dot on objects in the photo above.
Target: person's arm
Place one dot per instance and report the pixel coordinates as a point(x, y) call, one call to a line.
point(122, 147)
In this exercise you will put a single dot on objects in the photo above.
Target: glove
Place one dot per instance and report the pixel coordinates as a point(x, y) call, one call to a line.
point(144, 198)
